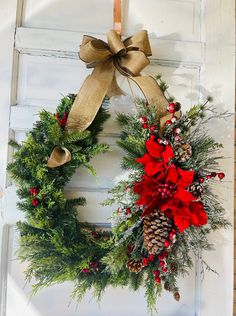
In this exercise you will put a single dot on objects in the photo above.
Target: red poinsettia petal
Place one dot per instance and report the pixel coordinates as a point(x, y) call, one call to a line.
point(154, 149)
point(169, 209)
point(154, 204)
point(199, 216)
point(182, 222)
point(184, 196)
point(153, 167)
point(167, 154)
point(146, 158)
point(172, 174)
point(144, 200)
point(185, 178)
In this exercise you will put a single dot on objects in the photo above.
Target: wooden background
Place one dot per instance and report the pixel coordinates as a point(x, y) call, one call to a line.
point(193, 47)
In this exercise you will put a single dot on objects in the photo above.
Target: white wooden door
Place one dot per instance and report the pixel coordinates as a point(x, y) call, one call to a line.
point(193, 47)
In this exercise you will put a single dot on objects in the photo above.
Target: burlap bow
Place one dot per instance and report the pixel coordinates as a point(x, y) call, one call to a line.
point(129, 57)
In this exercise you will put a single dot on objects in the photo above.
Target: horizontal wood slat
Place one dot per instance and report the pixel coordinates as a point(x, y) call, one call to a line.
point(65, 44)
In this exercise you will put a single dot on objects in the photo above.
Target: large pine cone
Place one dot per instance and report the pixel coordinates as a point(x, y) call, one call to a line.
point(134, 266)
point(156, 229)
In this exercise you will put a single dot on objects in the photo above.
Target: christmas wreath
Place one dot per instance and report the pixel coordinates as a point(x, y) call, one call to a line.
point(166, 203)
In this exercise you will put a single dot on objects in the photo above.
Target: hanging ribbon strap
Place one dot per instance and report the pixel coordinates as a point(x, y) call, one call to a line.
point(117, 16)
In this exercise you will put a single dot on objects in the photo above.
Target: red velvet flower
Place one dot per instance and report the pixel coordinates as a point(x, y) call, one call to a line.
point(167, 192)
point(157, 158)
point(185, 213)
point(155, 191)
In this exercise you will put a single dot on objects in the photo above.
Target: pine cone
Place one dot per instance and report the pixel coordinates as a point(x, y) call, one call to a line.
point(184, 152)
point(156, 229)
point(134, 266)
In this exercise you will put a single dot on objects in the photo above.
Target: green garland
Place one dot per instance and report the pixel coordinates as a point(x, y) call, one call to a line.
point(57, 247)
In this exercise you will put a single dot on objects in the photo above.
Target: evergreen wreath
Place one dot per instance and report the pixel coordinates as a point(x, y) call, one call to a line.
point(166, 203)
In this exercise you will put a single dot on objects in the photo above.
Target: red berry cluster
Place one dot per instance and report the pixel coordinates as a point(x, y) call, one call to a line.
point(171, 108)
point(61, 121)
point(213, 174)
point(162, 264)
point(165, 190)
point(93, 266)
point(34, 192)
point(146, 261)
point(152, 128)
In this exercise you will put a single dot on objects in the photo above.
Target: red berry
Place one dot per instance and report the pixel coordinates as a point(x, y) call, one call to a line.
point(159, 140)
point(171, 107)
point(156, 273)
point(177, 130)
point(145, 262)
point(208, 176)
point(130, 248)
point(161, 263)
point(163, 255)
point(33, 191)
point(178, 138)
point(151, 257)
point(164, 269)
point(152, 137)
point(57, 116)
point(85, 270)
point(152, 128)
point(168, 122)
point(145, 125)
point(167, 243)
point(158, 280)
point(221, 175)
point(143, 119)
point(213, 174)
point(172, 235)
point(94, 234)
point(35, 202)
point(201, 180)
point(174, 119)
point(128, 211)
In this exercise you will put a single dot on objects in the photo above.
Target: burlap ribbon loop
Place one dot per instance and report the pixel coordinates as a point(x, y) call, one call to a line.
point(58, 157)
point(129, 57)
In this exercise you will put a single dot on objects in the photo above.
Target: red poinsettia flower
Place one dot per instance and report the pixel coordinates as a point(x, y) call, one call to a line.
point(184, 213)
point(157, 158)
point(155, 191)
point(168, 193)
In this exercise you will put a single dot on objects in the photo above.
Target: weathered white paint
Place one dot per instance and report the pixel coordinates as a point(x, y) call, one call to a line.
point(170, 19)
point(185, 38)
point(218, 78)
point(66, 44)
